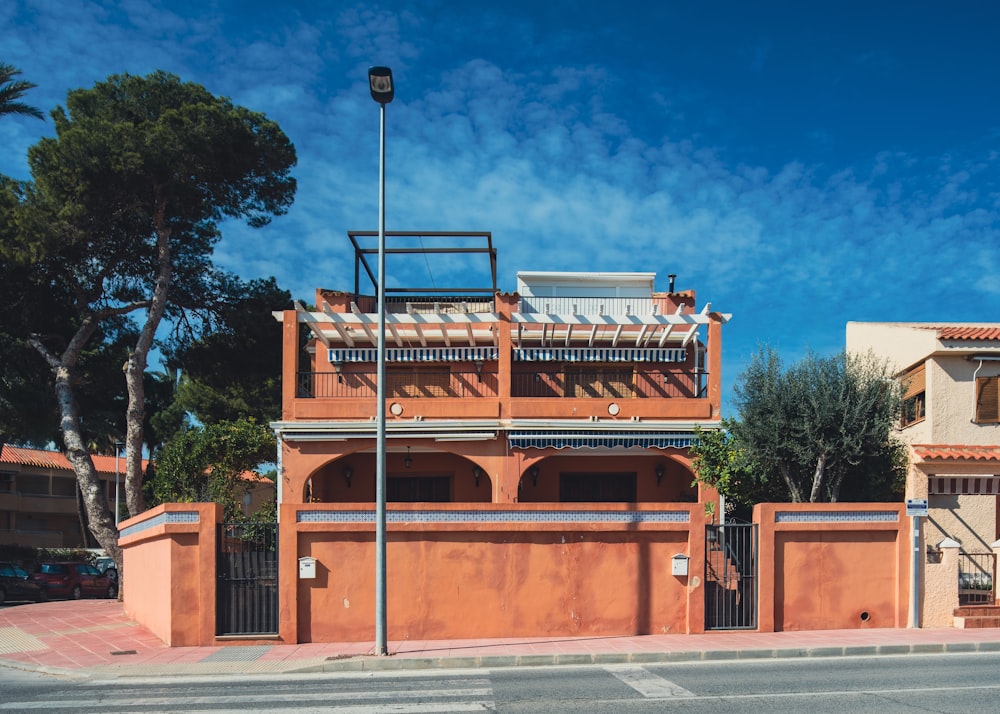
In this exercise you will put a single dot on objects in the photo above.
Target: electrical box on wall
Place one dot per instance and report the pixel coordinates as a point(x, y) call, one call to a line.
point(307, 568)
point(680, 564)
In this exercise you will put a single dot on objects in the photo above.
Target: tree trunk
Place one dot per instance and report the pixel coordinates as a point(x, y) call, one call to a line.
point(95, 501)
point(818, 478)
point(136, 367)
point(793, 488)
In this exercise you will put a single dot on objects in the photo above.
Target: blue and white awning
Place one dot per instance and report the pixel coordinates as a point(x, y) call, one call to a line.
point(416, 354)
point(600, 439)
point(597, 354)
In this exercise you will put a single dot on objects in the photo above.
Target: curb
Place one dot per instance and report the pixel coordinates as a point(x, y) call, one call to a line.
point(391, 663)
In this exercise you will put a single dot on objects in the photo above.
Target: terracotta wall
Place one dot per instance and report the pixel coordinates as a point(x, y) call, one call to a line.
point(168, 571)
point(459, 571)
point(495, 578)
point(833, 566)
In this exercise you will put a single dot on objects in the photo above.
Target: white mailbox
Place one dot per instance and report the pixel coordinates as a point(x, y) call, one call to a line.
point(307, 568)
point(680, 564)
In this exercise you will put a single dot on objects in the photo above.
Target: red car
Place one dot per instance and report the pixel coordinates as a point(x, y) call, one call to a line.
point(75, 580)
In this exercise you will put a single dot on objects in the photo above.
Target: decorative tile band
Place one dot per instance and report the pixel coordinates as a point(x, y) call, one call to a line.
point(836, 517)
point(495, 517)
point(162, 519)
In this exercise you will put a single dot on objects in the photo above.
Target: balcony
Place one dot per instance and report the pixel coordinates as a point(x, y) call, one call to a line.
point(610, 384)
point(420, 383)
point(435, 383)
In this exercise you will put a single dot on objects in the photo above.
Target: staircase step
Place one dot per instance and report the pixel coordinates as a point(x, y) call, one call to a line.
point(976, 623)
point(978, 611)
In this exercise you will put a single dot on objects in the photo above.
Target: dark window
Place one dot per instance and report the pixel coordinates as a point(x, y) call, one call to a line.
point(988, 400)
point(410, 489)
point(32, 485)
point(6, 482)
point(914, 396)
point(63, 486)
point(599, 487)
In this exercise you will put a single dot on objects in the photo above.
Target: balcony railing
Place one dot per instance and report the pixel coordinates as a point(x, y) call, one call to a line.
point(419, 383)
point(435, 383)
point(610, 384)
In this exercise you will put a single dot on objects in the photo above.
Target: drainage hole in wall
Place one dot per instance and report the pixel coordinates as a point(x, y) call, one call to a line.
point(865, 616)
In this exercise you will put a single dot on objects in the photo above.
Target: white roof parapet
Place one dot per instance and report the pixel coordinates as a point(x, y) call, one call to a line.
point(532, 318)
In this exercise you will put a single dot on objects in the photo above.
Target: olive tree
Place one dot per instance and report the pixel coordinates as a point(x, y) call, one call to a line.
point(812, 432)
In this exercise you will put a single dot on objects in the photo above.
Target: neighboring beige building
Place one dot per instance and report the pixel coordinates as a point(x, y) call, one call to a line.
point(951, 422)
point(39, 497)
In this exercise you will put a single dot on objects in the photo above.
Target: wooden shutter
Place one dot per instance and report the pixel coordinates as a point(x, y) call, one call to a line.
point(988, 400)
point(914, 382)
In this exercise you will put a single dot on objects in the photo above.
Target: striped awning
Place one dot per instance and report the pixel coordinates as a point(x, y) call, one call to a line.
point(597, 354)
point(600, 439)
point(416, 354)
point(963, 485)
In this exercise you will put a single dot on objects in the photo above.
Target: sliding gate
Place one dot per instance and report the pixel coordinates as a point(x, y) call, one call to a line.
point(247, 584)
point(731, 576)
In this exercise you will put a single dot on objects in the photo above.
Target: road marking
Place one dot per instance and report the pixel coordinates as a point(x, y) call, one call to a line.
point(384, 708)
point(384, 705)
point(646, 683)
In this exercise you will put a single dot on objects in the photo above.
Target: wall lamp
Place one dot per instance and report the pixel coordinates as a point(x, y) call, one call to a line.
point(407, 461)
point(347, 475)
point(477, 473)
point(533, 472)
point(479, 369)
point(338, 367)
point(659, 473)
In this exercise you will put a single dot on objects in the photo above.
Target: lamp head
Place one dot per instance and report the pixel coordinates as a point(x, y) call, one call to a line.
point(380, 83)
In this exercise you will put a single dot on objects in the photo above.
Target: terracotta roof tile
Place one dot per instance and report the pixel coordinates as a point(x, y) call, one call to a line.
point(956, 452)
point(40, 458)
point(969, 332)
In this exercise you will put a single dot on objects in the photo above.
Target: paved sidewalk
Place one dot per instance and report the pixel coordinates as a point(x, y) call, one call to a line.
point(94, 638)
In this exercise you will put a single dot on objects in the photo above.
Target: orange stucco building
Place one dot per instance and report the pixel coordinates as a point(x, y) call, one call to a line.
point(576, 389)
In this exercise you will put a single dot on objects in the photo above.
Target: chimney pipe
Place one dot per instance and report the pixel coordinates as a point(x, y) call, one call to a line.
point(672, 277)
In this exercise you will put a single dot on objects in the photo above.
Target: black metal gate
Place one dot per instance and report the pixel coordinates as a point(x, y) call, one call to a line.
point(731, 576)
point(976, 583)
point(247, 584)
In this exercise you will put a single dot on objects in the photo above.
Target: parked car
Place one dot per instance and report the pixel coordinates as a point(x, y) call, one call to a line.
point(107, 567)
point(16, 584)
point(75, 580)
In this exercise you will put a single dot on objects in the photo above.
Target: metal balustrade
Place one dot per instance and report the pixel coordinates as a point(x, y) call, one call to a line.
point(422, 383)
point(429, 383)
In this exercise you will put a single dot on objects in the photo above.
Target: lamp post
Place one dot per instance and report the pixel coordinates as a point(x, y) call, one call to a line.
point(380, 83)
point(118, 453)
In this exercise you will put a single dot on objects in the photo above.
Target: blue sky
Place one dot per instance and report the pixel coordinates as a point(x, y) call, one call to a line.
point(799, 164)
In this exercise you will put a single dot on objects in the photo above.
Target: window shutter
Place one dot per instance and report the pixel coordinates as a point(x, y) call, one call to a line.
point(914, 382)
point(988, 400)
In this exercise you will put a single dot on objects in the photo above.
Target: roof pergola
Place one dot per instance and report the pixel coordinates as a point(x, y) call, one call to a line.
point(453, 317)
point(357, 329)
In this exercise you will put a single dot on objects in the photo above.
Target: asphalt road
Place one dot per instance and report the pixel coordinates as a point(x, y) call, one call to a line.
point(914, 683)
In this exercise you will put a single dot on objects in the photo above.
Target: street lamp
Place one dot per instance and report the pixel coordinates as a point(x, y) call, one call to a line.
point(380, 82)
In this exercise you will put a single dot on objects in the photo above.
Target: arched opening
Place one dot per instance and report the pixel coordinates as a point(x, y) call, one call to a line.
point(413, 475)
point(646, 478)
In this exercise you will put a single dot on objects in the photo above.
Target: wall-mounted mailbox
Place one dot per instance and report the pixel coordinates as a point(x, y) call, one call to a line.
point(680, 564)
point(307, 568)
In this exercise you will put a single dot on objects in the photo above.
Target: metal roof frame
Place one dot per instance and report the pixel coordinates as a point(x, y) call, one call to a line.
point(361, 254)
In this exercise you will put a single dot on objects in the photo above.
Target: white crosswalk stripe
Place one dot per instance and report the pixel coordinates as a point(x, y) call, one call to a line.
point(646, 683)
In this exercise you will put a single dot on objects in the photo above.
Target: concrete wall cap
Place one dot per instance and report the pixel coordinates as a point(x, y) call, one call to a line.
point(949, 543)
